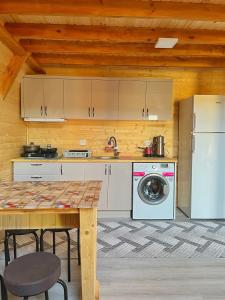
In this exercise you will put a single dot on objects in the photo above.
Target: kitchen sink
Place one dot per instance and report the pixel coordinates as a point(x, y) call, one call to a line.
point(105, 157)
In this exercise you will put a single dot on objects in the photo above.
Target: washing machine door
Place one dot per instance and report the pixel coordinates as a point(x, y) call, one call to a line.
point(153, 189)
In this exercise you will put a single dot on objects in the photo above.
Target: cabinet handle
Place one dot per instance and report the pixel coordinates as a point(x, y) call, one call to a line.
point(105, 169)
point(194, 121)
point(41, 110)
point(193, 143)
point(61, 170)
point(143, 113)
point(36, 177)
point(110, 170)
point(36, 165)
point(46, 110)
point(89, 112)
point(147, 113)
point(93, 112)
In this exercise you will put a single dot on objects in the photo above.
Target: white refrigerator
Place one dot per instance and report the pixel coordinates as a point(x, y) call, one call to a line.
point(201, 159)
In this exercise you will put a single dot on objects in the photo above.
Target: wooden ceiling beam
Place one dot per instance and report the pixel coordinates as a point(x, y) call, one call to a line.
point(122, 49)
point(122, 8)
point(10, 74)
point(113, 34)
point(17, 49)
point(94, 60)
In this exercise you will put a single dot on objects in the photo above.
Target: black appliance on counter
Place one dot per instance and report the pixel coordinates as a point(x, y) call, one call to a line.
point(35, 151)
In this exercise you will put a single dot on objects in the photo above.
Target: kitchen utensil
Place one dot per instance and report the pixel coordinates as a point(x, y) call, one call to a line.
point(158, 146)
point(32, 148)
point(147, 151)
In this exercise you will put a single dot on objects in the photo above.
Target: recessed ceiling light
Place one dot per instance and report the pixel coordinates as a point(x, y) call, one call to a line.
point(166, 42)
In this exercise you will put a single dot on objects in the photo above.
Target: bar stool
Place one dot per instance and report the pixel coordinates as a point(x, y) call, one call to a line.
point(66, 230)
point(3, 289)
point(14, 233)
point(33, 274)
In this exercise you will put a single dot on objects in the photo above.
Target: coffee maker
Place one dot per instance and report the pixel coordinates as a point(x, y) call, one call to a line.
point(158, 146)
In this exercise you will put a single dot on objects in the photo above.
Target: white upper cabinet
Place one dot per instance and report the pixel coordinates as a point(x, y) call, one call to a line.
point(105, 99)
point(132, 99)
point(32, 98)
point(53, 98)
point(42, 98)
point(77, 98)
point(159, 100)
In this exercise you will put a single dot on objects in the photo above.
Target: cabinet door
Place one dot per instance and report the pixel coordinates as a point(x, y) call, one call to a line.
point(77, 98)
point(159, 100)
point(53, 98)
point(132, 99)
point(72, 172)
point(32, 98)
point(105, 99)
point(120, 186)
point(98, 171)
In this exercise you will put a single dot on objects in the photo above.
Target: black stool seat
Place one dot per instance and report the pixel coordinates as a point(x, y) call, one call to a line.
point(32, 274)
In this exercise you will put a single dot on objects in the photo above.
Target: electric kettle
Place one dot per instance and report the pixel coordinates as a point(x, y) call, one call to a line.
point(158, 146)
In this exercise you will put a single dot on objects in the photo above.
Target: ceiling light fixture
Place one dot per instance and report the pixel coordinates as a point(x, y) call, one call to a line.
point(166, 42)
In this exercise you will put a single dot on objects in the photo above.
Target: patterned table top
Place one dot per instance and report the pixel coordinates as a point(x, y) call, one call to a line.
point(47, 195)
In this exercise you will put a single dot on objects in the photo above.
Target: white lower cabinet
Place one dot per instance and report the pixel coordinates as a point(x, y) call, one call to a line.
point(116, 184)
point(98, 171)
point(120, 186)
point(72, 172)
point(36, 171)
point(116, 179)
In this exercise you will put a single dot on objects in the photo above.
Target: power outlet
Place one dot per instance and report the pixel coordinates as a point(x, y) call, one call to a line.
point(83, 142)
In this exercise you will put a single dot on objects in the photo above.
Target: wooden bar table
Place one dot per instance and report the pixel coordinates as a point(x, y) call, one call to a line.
point(30, 205)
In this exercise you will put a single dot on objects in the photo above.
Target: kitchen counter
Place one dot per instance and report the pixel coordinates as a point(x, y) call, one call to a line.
point(98, 160)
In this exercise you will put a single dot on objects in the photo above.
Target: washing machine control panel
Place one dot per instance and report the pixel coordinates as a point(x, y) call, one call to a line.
point(160, 166)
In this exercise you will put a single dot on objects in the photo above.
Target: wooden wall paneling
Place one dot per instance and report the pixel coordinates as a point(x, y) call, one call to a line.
point(11, 73)
point(123, 8)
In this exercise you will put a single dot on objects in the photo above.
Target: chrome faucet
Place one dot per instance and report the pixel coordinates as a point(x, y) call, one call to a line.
point(112, 142)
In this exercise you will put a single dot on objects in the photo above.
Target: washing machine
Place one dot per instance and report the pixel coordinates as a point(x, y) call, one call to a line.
point(154, 190)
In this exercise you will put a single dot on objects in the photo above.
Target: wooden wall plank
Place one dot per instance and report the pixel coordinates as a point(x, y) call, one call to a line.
point(122, 8)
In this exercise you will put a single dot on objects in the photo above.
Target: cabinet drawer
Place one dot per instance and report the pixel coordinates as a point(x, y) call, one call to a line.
point(37, 168)
point(36, 178)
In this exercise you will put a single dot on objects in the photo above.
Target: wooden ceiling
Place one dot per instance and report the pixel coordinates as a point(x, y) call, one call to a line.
point(119, 33)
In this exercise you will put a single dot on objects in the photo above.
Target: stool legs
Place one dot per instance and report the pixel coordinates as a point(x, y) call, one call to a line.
point(68, 255)
point(14, 246)
point(36, 240)
point(46, 295)
point(4, 295)
point(6, 246)
point(62, 283)
point(54, 246)
point(78, 245)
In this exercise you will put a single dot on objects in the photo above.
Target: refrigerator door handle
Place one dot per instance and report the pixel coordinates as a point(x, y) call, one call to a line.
point(194, 121)
point(193, 143)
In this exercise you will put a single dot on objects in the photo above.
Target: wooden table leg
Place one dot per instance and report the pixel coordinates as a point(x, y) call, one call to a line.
point(88, 240)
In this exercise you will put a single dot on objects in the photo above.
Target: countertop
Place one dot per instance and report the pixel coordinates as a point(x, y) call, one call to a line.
point(49, 195)
point(98, 160)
